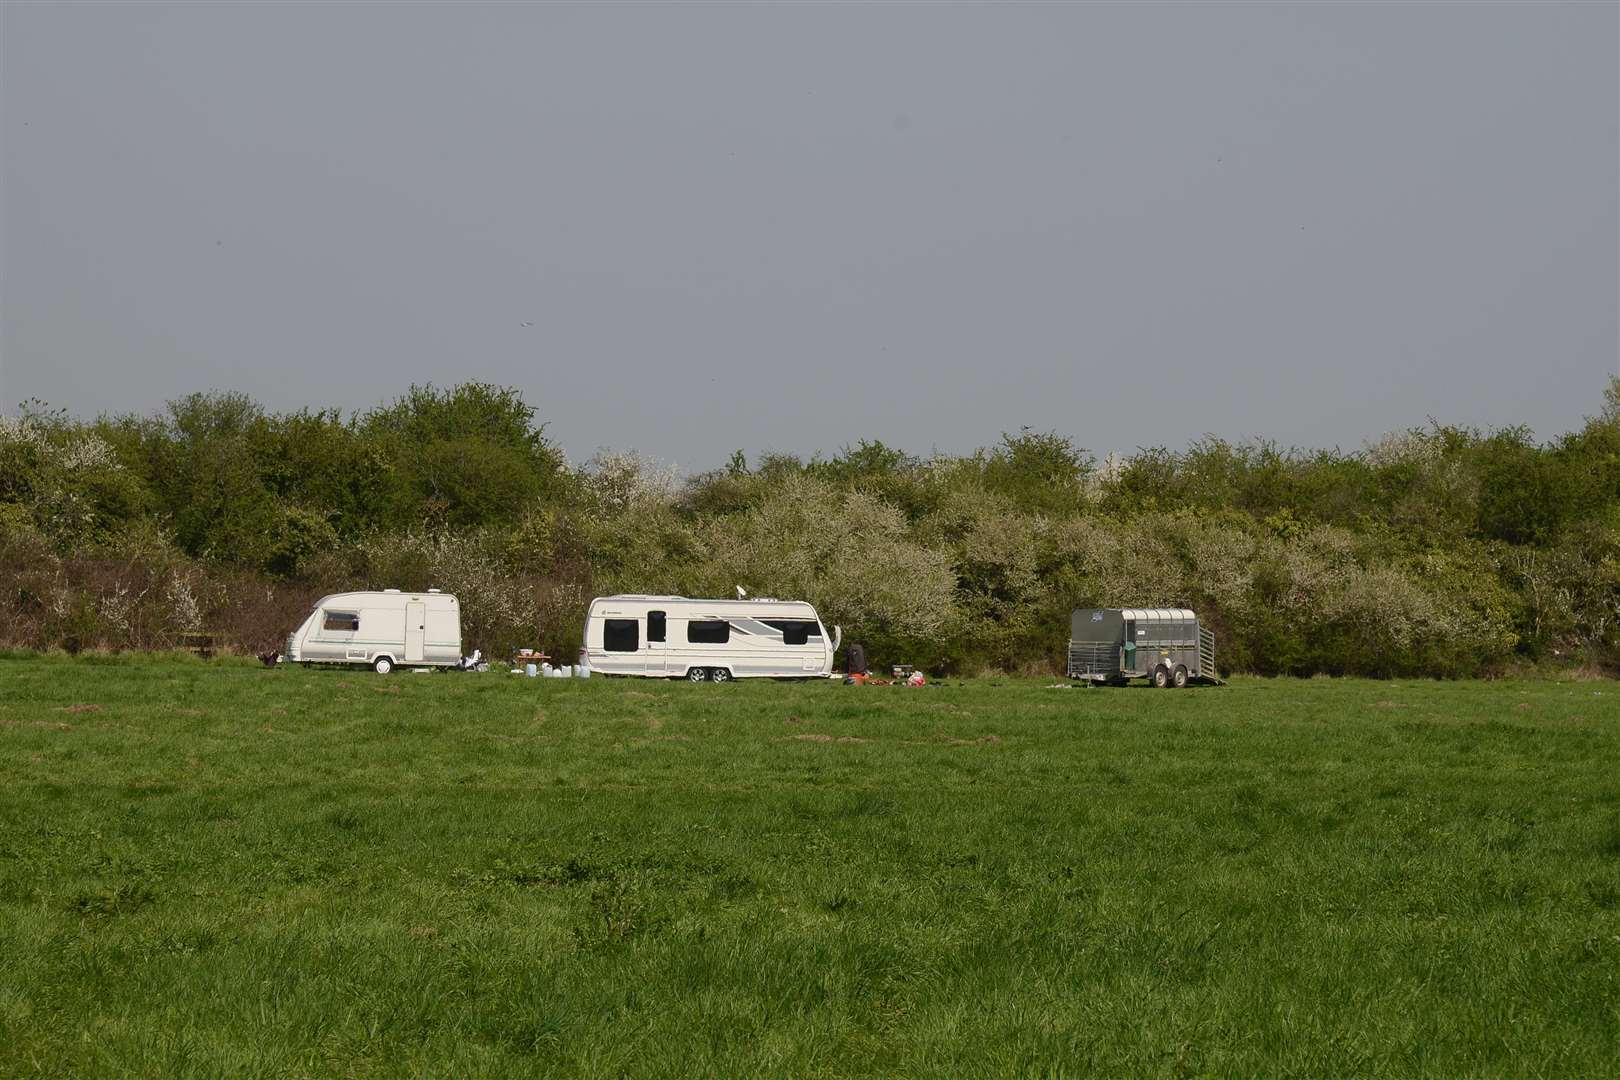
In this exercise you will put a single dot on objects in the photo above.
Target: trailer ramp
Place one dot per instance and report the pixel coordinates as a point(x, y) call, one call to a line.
point(1206, 658)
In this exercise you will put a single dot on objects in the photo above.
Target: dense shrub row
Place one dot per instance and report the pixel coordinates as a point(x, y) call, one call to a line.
point(1444, 551)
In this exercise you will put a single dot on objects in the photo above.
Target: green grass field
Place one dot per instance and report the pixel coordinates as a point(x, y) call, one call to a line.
point(212, 869)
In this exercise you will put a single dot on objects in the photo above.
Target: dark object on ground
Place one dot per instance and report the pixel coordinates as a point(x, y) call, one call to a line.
point(855, 659)
point(201, 642)
point(268, 659)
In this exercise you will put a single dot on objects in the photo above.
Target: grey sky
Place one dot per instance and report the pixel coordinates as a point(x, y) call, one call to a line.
point(687, 229)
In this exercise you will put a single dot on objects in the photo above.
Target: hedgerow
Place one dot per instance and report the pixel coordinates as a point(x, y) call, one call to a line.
point(1441, 551)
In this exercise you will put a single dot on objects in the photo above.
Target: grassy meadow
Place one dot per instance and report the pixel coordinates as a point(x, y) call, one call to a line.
point(209, 869)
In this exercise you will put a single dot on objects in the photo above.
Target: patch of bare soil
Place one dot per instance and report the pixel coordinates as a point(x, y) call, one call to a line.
point(79, 708)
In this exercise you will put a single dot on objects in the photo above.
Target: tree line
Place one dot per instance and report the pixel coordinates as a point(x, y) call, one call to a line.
point(1443, 550)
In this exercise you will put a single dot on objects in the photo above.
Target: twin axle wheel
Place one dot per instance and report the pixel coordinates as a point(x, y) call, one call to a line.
point(1163, 677)
point(700, 674)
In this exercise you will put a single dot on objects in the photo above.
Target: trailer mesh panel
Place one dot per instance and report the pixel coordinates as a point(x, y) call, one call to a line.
point(1093, 658)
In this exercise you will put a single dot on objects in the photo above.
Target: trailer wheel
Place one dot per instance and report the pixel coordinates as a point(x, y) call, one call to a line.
point(720, 674)
point(382, 665)
point(697, 674)
point(1178, 678)
point(1161, 678)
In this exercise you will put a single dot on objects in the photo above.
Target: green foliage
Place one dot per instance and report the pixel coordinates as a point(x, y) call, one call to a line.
point(300, 536)
point(1436, 551)
point(467, 457)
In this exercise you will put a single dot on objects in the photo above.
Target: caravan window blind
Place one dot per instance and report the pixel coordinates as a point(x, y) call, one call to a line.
point(620, 635)
point(708, 632)
point(794, 631)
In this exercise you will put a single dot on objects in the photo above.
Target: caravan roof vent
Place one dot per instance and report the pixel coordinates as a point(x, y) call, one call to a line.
point(433, 590)
point(390, 590)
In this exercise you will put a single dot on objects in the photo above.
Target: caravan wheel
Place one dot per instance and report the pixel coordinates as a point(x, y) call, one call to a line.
point(720, 674)
point(382, 665)
point(697, 674)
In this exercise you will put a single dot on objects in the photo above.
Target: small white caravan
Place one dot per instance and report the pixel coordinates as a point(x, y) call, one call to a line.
point(380, 630)
point(708, 640)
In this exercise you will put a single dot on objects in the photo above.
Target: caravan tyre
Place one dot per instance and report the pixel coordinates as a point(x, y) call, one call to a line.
point(1161, 678)
point(1178, 678)
point(382, 665)
point(697, 674)
point(720, 674)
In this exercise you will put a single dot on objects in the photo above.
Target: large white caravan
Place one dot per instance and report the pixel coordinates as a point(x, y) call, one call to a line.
point(718, 640)
point(380, 630)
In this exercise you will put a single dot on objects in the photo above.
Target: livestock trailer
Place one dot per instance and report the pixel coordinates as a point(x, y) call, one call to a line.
point(380, 630)
point(708, 640)
point(1165, 645)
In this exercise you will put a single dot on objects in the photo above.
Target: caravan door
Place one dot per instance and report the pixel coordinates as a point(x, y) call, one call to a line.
point(415, 631)
point(657, 661)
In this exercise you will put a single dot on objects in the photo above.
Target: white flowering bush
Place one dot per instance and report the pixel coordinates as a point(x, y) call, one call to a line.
point(621, 482)
point(67, 477)
point(499, 609)
point(847, 552)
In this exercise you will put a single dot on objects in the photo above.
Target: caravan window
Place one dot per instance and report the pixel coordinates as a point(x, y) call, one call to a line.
point(794, 631)
point(655, 626)
point(708, 632)
point(341, 620)
point(620, 635)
